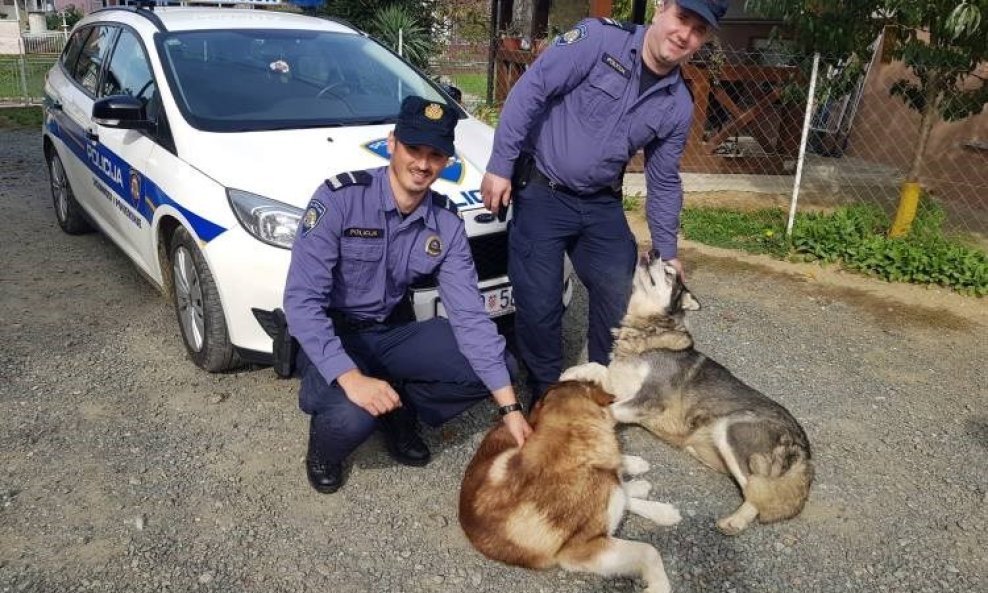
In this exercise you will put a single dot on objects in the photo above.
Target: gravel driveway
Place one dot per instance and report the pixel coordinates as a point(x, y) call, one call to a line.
point(124, 468)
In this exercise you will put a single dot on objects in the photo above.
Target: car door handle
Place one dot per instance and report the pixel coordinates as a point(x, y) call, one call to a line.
point(92, 135)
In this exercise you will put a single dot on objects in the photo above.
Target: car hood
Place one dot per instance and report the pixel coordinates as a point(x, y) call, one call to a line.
point(289, 165)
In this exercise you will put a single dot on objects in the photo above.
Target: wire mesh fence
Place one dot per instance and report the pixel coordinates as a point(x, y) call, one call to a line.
point(22, 78)
point(749, 110)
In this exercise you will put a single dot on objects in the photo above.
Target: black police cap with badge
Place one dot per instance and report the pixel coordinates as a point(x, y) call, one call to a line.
point(422, 122)
point(709, 10)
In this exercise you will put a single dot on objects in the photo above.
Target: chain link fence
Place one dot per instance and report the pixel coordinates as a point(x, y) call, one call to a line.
point(22, 74)
point(747, 133)
point(860, 143)
point(22, 77)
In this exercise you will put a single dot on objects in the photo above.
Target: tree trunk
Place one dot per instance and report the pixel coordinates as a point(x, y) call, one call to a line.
point(911, 189)
point(925, 127)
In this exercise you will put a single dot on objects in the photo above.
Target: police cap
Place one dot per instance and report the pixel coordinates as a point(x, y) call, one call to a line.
point(710, 10)
point(426, 123)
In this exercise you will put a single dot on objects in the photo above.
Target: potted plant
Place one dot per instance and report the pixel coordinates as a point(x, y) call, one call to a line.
point(511, 37)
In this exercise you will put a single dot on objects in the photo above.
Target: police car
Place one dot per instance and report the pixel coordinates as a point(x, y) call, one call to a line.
point(194, 137)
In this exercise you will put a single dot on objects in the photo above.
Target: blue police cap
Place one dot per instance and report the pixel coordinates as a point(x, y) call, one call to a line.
point(426, 123)
point(710, 10)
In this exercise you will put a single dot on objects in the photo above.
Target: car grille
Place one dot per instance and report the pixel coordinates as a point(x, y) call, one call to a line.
point(490, 255)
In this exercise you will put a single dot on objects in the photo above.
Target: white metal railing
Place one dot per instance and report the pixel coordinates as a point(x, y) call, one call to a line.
point(44, 43)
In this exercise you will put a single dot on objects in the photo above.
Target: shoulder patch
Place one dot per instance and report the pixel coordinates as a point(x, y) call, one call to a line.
point(443, 201)
point(627, 26)
point(313, 214)
point(573, 35)
point(347, 179)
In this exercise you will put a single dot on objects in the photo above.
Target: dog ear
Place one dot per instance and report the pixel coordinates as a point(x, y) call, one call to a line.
point(600, 397)
point(688, 302)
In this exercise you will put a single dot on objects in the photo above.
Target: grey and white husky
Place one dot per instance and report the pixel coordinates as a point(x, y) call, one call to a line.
point(690, 401)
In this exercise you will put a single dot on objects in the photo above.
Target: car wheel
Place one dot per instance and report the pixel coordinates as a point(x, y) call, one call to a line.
point(198, 307)
point(67, 210)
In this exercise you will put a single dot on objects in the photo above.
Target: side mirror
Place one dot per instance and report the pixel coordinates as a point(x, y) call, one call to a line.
point(120, 111)
point(454, 92)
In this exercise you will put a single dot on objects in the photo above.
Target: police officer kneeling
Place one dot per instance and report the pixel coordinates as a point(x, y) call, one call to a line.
point(364, 362)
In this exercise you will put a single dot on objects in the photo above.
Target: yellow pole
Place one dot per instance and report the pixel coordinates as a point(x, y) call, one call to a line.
point(906, 212)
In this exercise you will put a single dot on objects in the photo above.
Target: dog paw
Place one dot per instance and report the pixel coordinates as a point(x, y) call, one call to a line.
point(659, 587)
point(660, 513)
point(634, 465)
point(731, 525)
point(637, 488)
point(591, 371)
point(667, 515)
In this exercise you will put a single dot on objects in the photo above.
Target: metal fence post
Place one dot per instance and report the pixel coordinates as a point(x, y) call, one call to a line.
point(802, 144)
point(22, 61)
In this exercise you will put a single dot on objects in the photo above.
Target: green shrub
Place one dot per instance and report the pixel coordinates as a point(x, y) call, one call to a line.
point(489, 114)
point(72, 14)
point(853, 236)
point(631, 202)
point(397, 21)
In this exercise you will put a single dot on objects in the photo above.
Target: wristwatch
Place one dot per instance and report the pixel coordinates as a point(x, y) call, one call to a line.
point(505, 410)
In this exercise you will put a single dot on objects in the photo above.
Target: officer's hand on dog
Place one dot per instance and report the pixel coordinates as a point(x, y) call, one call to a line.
point(496, 191)
point(653, 254)
point(514, 421)
point(518, 427)
point(373, 395)
point(674, 262)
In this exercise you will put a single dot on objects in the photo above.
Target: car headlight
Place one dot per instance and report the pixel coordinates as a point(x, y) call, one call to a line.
point(270, 221)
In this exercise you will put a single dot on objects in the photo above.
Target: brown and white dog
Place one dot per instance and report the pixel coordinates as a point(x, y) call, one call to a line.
point(557, 500)
point(690, 401)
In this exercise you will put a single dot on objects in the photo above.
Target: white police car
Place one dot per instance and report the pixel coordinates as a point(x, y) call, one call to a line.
point(194, 137)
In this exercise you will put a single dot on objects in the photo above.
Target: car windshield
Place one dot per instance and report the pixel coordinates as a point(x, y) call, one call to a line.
point(259, 79)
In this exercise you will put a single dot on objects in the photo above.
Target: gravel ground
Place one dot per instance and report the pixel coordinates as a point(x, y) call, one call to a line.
point(124, 468)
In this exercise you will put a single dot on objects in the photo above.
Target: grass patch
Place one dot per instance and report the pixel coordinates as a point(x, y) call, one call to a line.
point(471, 83)
point(10, 76)
point(756, 231)
point(21, 117)
point(853, 236)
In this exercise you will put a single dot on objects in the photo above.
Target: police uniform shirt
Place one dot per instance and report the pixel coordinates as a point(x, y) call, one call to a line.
point(355, 253)
point(578, 109)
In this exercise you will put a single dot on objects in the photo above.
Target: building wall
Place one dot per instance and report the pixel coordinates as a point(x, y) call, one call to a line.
point(10, 34)
point(886, 131)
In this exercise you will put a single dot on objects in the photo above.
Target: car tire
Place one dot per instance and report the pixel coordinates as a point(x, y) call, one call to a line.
point(198, 307)
point(68, 212)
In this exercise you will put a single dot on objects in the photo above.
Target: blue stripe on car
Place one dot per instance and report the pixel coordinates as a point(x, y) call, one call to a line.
point(115, 172)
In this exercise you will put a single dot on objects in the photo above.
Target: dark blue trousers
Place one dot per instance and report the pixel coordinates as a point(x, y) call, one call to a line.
point(594, 232)
point(423, 362)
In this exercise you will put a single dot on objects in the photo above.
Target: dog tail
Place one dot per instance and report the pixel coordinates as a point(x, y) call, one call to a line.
point(779, 494)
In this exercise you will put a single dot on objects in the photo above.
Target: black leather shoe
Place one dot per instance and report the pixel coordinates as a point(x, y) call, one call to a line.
point(402, 439)
point(326, 478)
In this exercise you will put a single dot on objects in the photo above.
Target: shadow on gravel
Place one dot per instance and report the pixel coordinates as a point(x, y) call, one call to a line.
point(889, 313)
point(977, 429)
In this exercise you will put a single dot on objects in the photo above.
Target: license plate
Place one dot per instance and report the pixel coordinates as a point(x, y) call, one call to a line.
point(497, 302)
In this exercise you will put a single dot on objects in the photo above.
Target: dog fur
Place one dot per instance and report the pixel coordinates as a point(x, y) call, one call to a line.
point(557, 500)
point(690, 401)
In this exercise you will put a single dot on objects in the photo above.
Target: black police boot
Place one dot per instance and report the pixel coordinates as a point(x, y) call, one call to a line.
point(402, 438)
point(326, 478)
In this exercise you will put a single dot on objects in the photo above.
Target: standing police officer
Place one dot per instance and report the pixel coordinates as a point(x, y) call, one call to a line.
point(600, 93)
point(365, 237)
